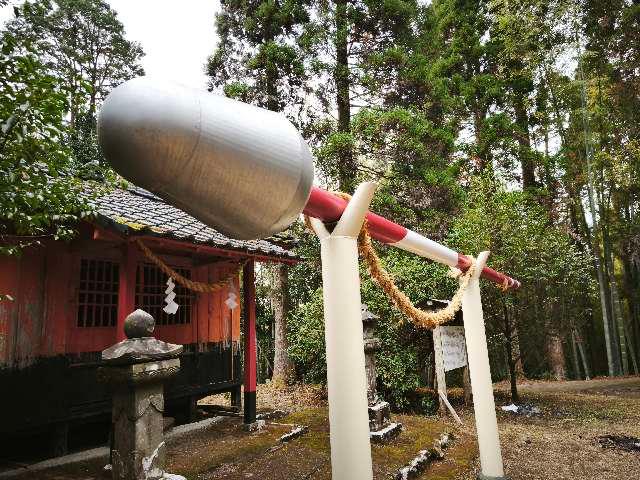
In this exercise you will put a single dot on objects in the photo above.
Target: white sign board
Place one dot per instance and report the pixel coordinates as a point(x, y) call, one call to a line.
point(454, 352)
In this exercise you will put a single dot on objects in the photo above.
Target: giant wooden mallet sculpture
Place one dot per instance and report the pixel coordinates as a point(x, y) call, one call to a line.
point(247, 172)
point(241, 169)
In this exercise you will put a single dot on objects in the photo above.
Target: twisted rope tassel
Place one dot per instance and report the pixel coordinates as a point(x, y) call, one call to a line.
point(185, 282)
point(380, 276)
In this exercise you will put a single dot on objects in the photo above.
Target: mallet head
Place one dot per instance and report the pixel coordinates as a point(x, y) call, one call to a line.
point(241, 169)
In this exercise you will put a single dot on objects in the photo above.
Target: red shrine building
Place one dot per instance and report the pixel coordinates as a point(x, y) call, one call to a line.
point(62, 303)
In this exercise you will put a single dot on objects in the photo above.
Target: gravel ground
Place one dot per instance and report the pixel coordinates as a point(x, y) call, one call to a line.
point(562, 442)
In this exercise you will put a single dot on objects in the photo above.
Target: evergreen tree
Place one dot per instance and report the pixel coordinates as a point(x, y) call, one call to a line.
point(83, 44)
point(259, 61)
point(481, 130)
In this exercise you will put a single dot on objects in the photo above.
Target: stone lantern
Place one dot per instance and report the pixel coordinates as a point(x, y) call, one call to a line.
point(381, 429)
point(135, 369)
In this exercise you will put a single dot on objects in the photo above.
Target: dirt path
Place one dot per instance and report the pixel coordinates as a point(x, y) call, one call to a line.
point(624, 387)
point(563, 442)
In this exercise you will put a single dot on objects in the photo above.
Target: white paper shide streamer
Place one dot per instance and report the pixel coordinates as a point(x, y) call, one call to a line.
point(171, 307)
point(232, 297)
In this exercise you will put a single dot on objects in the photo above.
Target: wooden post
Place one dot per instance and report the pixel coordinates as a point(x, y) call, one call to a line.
point(441, 381)
point(127, 287)
point(249, 300)
point(466, 385)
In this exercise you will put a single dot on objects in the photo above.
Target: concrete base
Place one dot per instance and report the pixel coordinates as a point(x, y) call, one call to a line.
point(386, 434)
point(379, 415)
point(102, 453)
point(381, 430)
point(294, 433)
point(254, 427)
point(420, 463)
point(486, 477)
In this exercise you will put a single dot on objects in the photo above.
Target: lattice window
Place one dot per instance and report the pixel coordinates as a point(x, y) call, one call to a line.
point(98, 293)
point(151, 283)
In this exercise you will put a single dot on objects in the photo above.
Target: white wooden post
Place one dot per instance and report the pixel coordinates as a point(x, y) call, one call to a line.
point(346, 376)
point(441, 381)
point(479, 371)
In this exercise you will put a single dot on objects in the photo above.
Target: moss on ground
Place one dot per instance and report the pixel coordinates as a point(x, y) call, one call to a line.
point(309, 456)
point(226, 451)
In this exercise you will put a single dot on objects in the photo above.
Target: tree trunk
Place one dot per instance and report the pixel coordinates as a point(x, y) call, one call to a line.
point(483, 150)
point(608, 334)
point(346, 164)
point(631, 285)
point(576, 360)
point(513, 379)
point(585, 365)
point(632, 350)
point(524, 143)
point(555, 356)
point(617, 313)
point(515, 346)
point(511, 360)
point(609, 275)
point(282, 366)
point(615, 303)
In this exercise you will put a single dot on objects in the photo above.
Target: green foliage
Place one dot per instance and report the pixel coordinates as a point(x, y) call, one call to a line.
point(258, 58)
point(522, 241)
point(39, 194)
point(59, 60)
point(82, 44)
point(306, 340)
point(469, 115)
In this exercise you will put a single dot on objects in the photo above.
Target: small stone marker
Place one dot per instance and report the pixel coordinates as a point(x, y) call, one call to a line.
point(294, 433)
point(135, 369)
point(424, 458)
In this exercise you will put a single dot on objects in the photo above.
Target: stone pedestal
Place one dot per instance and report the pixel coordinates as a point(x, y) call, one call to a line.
point(136, 369)
point(381, 429)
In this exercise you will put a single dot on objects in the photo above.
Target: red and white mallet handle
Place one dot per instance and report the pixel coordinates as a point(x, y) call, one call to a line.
point(328, 208)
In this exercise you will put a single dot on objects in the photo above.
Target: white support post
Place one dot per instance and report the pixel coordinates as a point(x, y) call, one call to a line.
point(346, 377)
point(481, 385)
point(441, 379)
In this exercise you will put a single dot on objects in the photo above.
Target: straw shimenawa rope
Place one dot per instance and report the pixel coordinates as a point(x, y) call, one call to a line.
point(420, 317)
point(185, 282)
